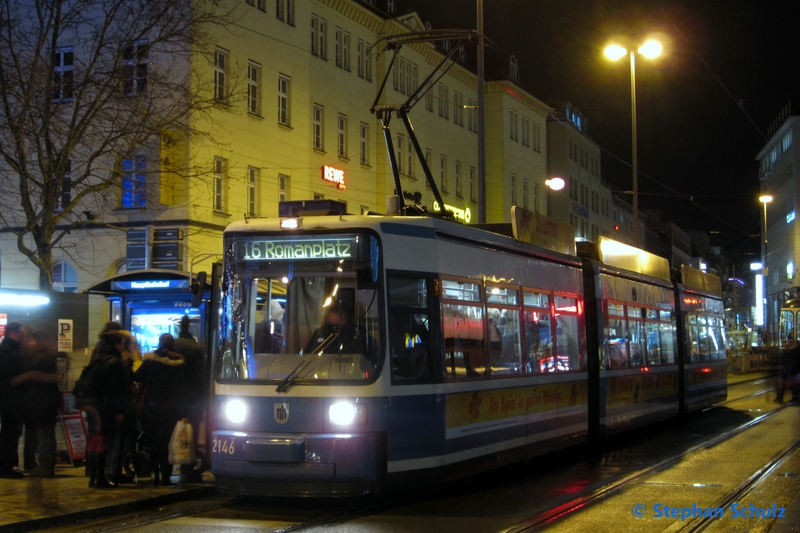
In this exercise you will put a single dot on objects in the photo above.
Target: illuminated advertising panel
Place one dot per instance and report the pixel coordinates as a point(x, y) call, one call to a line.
point(333, 175)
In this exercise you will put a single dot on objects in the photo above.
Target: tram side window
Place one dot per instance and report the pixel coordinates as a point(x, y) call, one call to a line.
point(409, 338)
point(667, 328)
point(568, 354)
point(652, 338)
point(504, 333)
point(636, 337)
point(538, 333)
point(786, 333)
point(713, 340)
point(463, 327)
point(616, 336)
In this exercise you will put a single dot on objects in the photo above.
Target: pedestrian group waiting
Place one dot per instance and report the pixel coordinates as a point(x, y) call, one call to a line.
point(125, 394)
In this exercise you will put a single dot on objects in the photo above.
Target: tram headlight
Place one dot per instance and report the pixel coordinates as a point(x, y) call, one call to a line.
point(236, 411)
point(346, 412)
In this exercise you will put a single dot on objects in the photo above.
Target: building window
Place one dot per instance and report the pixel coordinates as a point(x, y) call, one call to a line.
point(283, 187)
point(458, 108)
point(443, 173)
point(364, 143)
point(514, 126)
point(472, 115)
point(346, 51)
point(64, 278)
point(400, 152)
point(314, 24)
point(513, 70)
point(323, 38)
point(410, 158)
point(261, 5)
point(459, 186)
point(401, 74)
point(337, 47)
point(513, 189)
point(526, 131)
point(428, 164)
point(429, 98)
point(414, 78)
point(65, 198)
point(253, 93)
point(134, 182)
point(283, 100)
point(440, 94)
point(536, 138)
point(219, 184)
point(252, 191)
point(62, 74)
point(446, 103)
point(525, 193)
point(360, 58)
point(390, 6)
point(220, 75)
point(279, 9)
point(367, 62)
point(342, 136)
point(134, 64)
point(473, 185)
point(290, 12)
point(317, 118)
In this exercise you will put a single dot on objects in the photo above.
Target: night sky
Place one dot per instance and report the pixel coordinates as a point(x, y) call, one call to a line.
point(703, 108)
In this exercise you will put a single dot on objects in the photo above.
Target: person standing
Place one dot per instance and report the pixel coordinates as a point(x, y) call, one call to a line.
point(163, 374)
point(40, 398)
point(196, 388)
point(106, 377)
point(10, 415)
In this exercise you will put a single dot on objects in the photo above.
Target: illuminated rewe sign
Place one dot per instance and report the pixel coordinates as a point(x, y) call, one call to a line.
point(334, 175)
point(293, 249)
point(460, 214)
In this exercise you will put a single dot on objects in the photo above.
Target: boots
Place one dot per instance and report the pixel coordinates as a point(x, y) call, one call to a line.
point(100, 481)
point(90, 462)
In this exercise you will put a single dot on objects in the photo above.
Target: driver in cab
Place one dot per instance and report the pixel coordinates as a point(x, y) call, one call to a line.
point(337, 334)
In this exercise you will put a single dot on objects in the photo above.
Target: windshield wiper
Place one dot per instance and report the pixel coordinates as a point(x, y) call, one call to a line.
point(294, 374)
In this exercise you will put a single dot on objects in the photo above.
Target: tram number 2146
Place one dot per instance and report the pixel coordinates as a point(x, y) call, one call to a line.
point(223, 446)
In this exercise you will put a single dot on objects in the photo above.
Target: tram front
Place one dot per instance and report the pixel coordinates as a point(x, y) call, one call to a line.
point(296, 359)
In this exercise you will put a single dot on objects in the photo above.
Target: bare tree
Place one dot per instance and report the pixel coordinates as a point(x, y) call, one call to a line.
point(83, 85)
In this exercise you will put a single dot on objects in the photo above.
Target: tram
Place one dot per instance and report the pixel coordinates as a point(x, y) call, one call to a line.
point(414, 350)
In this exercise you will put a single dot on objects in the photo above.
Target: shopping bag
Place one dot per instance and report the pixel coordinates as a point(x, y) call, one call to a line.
point(181, 444)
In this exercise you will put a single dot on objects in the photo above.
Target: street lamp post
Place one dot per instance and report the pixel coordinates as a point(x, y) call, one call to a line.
point(764, 199)
point(650, 49)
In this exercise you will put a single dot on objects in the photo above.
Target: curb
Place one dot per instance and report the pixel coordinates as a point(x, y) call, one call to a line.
point(113, 509)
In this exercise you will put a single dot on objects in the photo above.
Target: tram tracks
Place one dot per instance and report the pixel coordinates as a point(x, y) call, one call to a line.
point(579, 503)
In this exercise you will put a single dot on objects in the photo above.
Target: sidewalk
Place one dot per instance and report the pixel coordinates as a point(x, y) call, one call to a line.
point(34, 503)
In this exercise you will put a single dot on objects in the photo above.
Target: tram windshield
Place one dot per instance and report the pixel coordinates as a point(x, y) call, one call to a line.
point(300, 321)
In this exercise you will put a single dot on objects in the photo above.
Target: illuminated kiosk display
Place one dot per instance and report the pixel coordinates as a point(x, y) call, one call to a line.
point(153, 301)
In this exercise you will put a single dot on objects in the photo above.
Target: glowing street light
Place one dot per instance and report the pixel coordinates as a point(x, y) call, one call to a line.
point(555, 184)
point(650, 49)
point(764, 199)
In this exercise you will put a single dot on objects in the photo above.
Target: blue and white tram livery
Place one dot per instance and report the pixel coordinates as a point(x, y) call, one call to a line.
point(415, 350)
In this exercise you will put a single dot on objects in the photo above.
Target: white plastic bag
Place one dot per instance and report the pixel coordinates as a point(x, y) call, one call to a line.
point(181, 444)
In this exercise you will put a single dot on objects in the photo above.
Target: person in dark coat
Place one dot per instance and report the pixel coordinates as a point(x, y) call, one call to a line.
point(40, 397)
point(107, 406)
point(10, 414)
point(163, 374)
point(196, 388)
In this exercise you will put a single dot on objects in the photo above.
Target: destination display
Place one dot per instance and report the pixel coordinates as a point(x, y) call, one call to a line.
point(297, 248)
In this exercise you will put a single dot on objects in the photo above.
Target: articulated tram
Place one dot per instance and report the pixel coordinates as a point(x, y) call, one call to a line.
point(362, 354)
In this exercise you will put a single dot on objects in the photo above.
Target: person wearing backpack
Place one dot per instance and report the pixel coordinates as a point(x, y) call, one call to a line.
point(196, 389)
point(102, 387)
